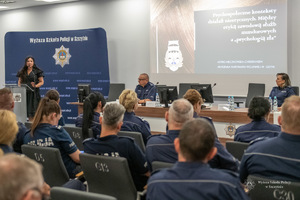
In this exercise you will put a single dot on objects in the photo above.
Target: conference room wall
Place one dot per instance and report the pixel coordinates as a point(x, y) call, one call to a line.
point(126, 23)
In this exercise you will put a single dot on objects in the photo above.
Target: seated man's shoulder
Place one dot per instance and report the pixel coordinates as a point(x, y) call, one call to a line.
point(125, 139)
point(153, 139)
point(89, 140)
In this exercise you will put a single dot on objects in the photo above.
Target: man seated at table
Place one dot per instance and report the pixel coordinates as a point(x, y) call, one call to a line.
point(146, 91)
point(109, 144)
point(191, 177)
point(277, 158)
point(161, 147)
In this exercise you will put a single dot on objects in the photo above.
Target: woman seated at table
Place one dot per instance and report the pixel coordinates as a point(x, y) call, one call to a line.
point(283, 89)
point(90, 118)
point(258, 111)
point(45, 132)
point(131, 122)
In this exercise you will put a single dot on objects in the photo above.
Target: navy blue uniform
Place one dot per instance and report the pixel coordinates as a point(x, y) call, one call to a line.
point(95, 125)
point(19, 138)
point(131, 122)
point(276, 158)
point(115, 146)
point(194, 180)
point(256, 129)
point(61, 121)
point(54, 136)
point(6, 149)
point(146, 92)
point(281, 94)
point(161, 148)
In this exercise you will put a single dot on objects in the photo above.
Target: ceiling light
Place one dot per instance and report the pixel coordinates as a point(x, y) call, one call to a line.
point(3, 7)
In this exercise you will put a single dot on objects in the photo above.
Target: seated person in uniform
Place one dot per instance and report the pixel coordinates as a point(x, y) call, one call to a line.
point(283, 89)
point(22, 179)
point(259, 110)
point(109, 144)
point(45, 132)
point(195, 98)
point(223, 158)
point(7, 103)
point(92, 107)
point(161, 147)
point(8, 131)
point(131, 122)
point(145, 90)
point(277, 158)
point(191, 177)
point(54, 95)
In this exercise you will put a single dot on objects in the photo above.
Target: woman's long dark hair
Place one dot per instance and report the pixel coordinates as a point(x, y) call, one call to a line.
point(89, 104)
point(46, 107)
point(23, 71)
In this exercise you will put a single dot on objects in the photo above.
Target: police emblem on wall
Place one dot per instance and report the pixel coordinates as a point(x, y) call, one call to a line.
point(230, 129)
point(173, 58)
point(62, 56)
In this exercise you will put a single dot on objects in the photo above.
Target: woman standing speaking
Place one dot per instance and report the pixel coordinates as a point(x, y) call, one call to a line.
point(31, 76)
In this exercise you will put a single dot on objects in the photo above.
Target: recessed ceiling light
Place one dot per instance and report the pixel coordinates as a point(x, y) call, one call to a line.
point(3, 7)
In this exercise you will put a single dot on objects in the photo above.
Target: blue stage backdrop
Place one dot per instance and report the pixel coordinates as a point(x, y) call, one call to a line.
point(67, 59)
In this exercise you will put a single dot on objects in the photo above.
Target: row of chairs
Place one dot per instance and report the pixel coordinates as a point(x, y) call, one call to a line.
point(104, 175)
point(108, 176)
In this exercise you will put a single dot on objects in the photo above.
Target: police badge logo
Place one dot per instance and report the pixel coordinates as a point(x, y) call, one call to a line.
point(230, 130)
point(173, 58)
point(62, 56)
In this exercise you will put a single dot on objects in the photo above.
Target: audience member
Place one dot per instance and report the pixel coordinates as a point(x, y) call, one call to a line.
point(195, 98)
point(7, 103)
point(146, 91)
point(21, 179)
point(54, 95)
point(283, 88)
point(109, 144)
point(161, 147)
point(92, 107)
point(259, 110)
point(223, 158)
point(8, 131)
point(45, 132)
point(131, 122)
point(277, 158)
point(191, 177)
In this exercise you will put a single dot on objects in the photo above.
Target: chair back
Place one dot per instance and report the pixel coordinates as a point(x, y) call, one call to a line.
point(54, 171)
point(108, 175)
point(237, 149)
point(264, 188)
point(28, 125)
point(156, 165)
point(136, 136)
point(61, 193)
point(115, 89)
point(76, 135)
point(296, 90)
point(255, 90)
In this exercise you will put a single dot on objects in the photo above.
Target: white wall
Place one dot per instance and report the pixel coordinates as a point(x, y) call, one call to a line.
point(126, 23)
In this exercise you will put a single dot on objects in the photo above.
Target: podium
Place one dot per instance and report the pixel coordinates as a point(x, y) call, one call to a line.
point(19, 95)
